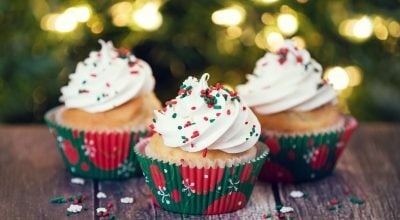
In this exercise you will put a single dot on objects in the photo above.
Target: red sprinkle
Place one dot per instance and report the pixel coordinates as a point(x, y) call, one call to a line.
point(187, 124)
point(299, 59)
point(218, 114)
point(195, 134)
point(134, 72)
point(192, 145)
point(182, 160)
point(228, 112)
point(244, 108)
point(109, 205)
point(205, 119)
point(151, 126)
point(171, 102)
point(76, 201)
point(204, 154)
point(218, 86)
point(108, 85)
point(193, 108)
point(334, 202)
point(93, 75)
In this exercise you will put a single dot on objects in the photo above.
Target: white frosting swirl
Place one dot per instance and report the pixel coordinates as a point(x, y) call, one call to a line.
point(287, 80)
point(106, 79)
point(203, 117)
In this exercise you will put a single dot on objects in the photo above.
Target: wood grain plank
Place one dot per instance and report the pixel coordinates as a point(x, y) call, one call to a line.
point(261, 202)
point(370, 168)
point(32, 172)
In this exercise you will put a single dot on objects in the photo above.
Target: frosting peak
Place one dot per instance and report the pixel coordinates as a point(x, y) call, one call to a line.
point(106, 79)
point(205, 117)
point(286, 80)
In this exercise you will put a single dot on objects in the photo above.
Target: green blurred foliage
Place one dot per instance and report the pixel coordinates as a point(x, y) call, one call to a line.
point(35, 63)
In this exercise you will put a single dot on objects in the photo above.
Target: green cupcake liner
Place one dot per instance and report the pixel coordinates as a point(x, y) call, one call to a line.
point(200, 191)
point(300, 158)
point(106, 155)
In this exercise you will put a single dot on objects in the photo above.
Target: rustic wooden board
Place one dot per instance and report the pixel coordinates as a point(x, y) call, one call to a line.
point(369, 168)
point(261, 202)
point(32, 172)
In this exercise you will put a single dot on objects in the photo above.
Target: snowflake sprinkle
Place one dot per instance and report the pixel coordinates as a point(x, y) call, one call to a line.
point(127, 200)
point(77, 180)
point(101, 195)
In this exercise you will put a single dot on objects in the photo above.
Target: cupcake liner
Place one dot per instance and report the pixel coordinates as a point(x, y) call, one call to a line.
point(96, 154)
point(304, 157)
point(200, 190)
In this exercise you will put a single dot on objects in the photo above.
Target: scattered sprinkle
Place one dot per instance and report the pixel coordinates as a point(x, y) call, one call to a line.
point(127, 200)
point(174, 115)
point(77, 180)
point(193, 108)
point(58, 200)
point(356, 200)
point(286, 209)
point(101, 195)
point(296, 194)
point(74, 208)
point(101, 212)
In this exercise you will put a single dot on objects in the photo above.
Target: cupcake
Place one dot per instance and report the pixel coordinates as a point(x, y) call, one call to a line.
point(204, 156)
point(300, 121)
point(108, 102)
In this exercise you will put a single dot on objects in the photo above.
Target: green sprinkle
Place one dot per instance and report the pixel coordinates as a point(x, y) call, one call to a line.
point(183, 95)
point(189, 88)
point(356, 200)
point(182, 86)
point(58, 200)
point(179, 127)
point(98, 98)
point(174, 115)
point(217, 107)
point(183, 137)
point(154, 120)
point(84, 82)
point(278, 207)
point(218, 95)
point(94, 64)
point(212, 120)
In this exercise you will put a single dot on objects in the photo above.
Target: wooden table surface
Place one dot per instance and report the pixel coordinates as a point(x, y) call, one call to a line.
point(32, 172)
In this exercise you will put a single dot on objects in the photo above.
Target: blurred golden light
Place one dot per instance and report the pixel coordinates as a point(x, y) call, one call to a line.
point(356, 29)
point(355, 75)
point(48, 22)
point(261, 40)
point(338, 77)
point(148, 17)
point(65, 23)
point(287, 24)
point(233, 32)
point(121, 13)
point(394, 29)
point(267, 18)
point(363, 28)
point(97, 27)
point(302, 1)
point(381, 32)
point(299, 42)
point(230, 16)
point(274, 40)
point(79, 13)
point(266, 1)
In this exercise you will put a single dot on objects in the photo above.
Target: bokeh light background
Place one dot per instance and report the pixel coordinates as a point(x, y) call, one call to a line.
point(356, 41)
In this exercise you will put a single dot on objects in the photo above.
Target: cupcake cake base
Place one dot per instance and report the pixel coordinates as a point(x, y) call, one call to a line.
point(105, 155)
point(200, 190)
point(304, 157)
